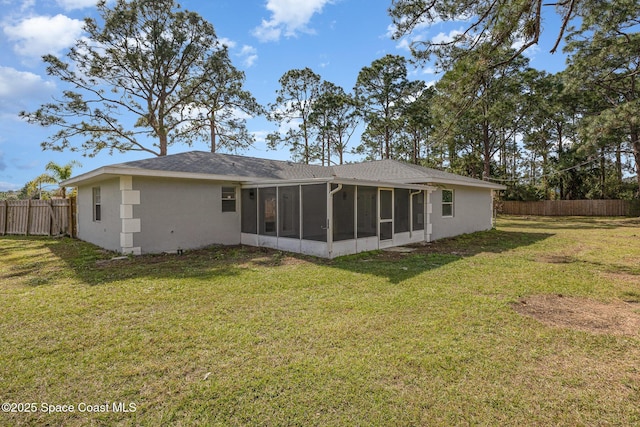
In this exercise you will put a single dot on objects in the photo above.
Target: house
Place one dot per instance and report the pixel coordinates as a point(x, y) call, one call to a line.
point(194, 199)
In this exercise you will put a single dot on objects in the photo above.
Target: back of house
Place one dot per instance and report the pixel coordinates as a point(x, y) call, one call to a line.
point(195, 199)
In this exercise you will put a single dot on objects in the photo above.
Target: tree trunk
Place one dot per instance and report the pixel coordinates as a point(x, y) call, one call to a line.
point(163, 143)
point(560, 154)
point(635, 144)
point(387, 143)
point(306, 145)
point(212, 129)
point(486, 151)
point(603, 172)
point(328, 150)
point(619, 163)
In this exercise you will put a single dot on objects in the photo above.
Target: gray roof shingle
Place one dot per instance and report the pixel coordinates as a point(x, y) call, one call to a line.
point(230, 165)
point(406, 173)
point(255, 169)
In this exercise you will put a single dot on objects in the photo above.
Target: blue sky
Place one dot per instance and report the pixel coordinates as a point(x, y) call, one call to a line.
point(335, 38)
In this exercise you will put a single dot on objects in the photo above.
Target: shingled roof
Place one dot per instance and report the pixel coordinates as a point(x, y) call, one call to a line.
point(202, 164)
point(394, 171)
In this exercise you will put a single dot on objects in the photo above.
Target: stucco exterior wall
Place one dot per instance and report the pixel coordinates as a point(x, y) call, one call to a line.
point(183, 214)
point(106, 232)
point(472, 212)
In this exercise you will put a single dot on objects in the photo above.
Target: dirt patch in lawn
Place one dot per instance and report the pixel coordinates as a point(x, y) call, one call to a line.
point(616, 318)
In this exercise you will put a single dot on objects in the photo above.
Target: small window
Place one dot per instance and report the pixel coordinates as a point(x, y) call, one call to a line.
point(97, 204)
point(228, 199)
point(447, 203)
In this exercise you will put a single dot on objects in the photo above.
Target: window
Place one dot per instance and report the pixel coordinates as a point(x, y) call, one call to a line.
point(97, 204)
point(447, 203)
point(228, 199)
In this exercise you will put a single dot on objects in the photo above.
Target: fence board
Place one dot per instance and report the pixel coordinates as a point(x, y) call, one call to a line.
point(571, 208)
point(17, 218)
point(36, 217)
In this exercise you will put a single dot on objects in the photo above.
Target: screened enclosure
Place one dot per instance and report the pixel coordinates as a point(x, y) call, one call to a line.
point(361, 217)
point(275, 211)
point(314, 212)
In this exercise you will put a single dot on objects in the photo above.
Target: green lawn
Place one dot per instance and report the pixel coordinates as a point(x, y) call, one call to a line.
point(244, 336)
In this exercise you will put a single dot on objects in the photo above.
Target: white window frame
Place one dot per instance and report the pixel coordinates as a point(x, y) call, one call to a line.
point(451, 203)
point(227, 197)
point(96, 202)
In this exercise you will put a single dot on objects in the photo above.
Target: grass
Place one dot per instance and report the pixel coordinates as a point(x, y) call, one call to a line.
point(245, 336)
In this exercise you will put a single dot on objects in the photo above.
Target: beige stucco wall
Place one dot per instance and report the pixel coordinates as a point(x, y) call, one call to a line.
point(472, 212)
point(106, 232)
point(183, 214)
point(174, 214)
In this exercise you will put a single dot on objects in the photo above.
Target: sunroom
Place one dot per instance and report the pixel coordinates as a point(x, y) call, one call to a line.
point(334, 217)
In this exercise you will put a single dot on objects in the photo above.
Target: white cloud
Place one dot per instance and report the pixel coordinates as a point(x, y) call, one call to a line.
point(27, 4)
point(76, 4)
point(288, 17)
point(267, 32)
point(391, 30)
point(406, 42)
point(3, 165)
point(260, 135)
point(9, 186)
point(529, 52)
point(227, 42)
point(446, 38)
point(16, 87)
point(42, 35)
point(249, 55)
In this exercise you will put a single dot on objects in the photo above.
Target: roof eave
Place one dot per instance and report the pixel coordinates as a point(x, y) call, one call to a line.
point(336, 180)
point(440, 182)
point(100, 173)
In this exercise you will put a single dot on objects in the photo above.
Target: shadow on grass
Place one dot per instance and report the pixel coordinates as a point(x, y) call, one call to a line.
point(95, 266)
point(568, 223)
point(400, 266)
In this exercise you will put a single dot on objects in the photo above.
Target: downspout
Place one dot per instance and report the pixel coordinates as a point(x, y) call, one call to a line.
point(330, 219)
point(411, 213)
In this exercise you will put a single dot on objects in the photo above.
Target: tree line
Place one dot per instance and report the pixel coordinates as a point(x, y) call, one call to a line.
point(569, 135)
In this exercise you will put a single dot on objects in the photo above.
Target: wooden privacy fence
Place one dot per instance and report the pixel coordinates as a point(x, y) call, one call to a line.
point(38, 217)
point(572, 208)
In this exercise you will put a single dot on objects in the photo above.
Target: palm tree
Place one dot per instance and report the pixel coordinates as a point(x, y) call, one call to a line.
point(58, 174)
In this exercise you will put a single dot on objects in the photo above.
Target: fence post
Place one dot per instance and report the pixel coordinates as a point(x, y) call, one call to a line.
point(5, 218)
point(53, 224)
point(72, 229)
point(26, 232)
